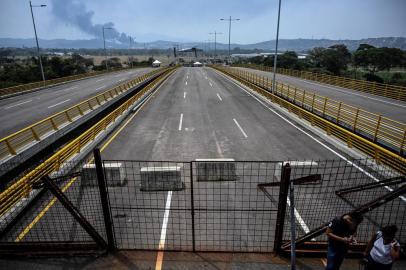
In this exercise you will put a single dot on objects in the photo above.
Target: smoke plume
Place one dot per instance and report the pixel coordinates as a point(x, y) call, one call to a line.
point(75, 13)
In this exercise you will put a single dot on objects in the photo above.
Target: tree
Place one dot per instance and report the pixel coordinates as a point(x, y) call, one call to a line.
point(375, 59)
point(288, 60)
point(333, 59)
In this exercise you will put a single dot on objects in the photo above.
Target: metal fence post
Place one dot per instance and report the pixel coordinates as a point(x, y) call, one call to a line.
point(283, 196)
point(292, 226)
point(108, 223)
point(63, 199)
point(192, 205)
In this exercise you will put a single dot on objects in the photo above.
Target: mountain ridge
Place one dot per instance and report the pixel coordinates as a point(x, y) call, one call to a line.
point(299, 44)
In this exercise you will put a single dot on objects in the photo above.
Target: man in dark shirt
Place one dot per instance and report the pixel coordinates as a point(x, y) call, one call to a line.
point(340, 233)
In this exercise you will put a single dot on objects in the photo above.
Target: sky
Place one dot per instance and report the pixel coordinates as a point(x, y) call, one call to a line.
point(193, 20)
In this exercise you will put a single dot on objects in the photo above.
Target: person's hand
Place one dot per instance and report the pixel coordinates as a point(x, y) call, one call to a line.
point(347, 240)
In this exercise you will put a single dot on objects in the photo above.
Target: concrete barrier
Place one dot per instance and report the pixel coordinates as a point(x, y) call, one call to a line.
point(161, 178)
point(216, 169)
point(305, 167)
point(114, 172)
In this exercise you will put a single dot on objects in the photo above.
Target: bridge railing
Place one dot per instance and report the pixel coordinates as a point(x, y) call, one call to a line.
point(380, 89)
point(20, 140)
point(377, 136)
point(41, 84)
point(23, 186)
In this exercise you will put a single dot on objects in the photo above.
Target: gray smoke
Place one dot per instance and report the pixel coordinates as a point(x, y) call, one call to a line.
point(74, 13)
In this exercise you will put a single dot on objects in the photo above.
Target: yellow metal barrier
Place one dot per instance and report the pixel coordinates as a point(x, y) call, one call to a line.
point(305, 105)
point(22, 187)
point(380, 89)
point(375, 127)
point(15, 143)
point(35, 85)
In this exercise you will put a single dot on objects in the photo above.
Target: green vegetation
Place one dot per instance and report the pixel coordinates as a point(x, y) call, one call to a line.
point(384, 65)
point(21, 69)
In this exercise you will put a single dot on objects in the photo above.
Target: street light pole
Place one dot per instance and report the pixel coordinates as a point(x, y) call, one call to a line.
point(215, 42)
point(105, 52)
point(275, 59)
point(36, 39)
point(229, 34)
point(130, 52)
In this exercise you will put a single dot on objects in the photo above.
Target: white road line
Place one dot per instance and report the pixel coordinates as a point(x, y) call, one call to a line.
point(211, 84)
point(71, 88)
point(186, 83)
point(120, 80)
point(99, 80)
point(184, 95)
point(59, 103)
point(219, 97)
point(319, 142)
point(180, 122)
point(165, 220)
point(161, 246)
point(21, 103)
point(299, 218)
point(118, 75)
point(101, 87)
point(242, 131)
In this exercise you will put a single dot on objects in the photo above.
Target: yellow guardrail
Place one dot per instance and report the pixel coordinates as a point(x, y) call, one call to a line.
point(380, 89)
point(16, 142)
point(305, 105)
point(35, 85)
point(22, 187)
point(375, 127)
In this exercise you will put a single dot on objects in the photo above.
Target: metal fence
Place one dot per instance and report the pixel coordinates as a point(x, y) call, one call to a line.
point(346, 186)
point(204, 205)
point(194, 206)
point(234, 206)
point(379, 89)
point(40, 219)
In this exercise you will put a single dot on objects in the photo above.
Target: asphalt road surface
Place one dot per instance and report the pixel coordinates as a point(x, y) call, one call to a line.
point(390, 108)
point(198, 113)
point(20, 111)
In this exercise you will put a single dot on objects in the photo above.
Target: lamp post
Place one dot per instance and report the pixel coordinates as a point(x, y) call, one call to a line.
point(36, 39)
point(105, 52)
point(130, 59)
point(275, 59)
point(215, 43)
point(229, 34)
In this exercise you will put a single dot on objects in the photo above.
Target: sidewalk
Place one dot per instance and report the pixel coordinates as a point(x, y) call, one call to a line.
point(176, 260)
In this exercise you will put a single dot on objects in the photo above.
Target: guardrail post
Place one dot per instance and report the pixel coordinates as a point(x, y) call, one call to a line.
point(283, 196)
point(101, 180)
point(10, 148)
point(325, 105)
point(338, 113)
point(402, 144)
point(53, 124)
point(36, 137)
point(377, 128)
point(356, 119)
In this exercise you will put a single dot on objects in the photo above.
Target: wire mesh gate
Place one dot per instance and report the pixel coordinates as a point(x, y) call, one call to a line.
point(227, 206)
point(204, 205)
point(192, 206)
